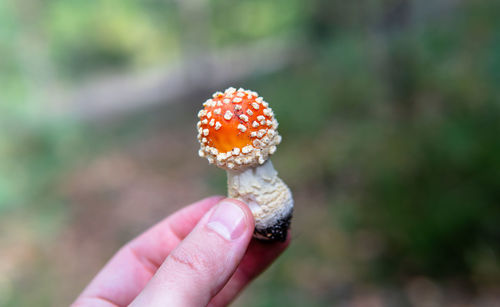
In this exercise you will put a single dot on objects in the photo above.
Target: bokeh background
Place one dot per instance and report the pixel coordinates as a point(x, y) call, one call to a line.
point(389, 111)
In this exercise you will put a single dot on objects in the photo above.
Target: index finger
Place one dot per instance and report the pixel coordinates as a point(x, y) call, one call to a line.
point(129, 270)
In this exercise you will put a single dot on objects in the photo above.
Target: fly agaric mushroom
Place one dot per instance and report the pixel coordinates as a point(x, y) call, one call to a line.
point(237, 132)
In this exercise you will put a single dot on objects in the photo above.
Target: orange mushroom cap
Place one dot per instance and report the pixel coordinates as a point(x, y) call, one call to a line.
point(237, 129)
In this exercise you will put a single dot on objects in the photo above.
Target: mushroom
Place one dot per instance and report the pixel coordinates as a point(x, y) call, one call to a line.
point(237, 131)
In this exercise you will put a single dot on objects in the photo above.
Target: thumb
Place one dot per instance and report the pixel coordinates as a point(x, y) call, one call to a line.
point(204, 261)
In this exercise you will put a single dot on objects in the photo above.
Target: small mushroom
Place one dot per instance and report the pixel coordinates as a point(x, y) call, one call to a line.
point(237, 131)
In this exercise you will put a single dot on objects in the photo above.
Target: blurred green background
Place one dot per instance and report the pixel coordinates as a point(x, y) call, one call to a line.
point(389, 111)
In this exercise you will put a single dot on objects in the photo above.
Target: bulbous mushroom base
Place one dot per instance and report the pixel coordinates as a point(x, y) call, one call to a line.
point(268, 197)
point(276, 232)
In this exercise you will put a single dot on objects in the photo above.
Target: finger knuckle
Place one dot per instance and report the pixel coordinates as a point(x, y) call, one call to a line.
point(196, 262)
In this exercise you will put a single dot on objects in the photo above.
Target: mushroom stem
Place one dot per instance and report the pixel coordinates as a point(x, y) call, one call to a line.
point(268, 197)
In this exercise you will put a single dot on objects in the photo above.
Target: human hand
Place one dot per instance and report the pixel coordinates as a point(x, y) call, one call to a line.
point(201, 255)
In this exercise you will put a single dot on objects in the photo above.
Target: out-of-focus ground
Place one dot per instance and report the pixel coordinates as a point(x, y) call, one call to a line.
point(390, 116)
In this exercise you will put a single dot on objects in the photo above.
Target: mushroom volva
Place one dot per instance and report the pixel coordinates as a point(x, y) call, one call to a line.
point(237, 131)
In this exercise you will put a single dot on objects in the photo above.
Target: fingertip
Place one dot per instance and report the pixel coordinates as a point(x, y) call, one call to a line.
point(231, 219)
point(249, 219)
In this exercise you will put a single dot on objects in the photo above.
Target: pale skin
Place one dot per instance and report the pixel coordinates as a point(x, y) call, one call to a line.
point(201, 255)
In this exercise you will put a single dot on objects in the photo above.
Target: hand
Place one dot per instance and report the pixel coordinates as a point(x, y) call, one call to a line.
point(200, 255)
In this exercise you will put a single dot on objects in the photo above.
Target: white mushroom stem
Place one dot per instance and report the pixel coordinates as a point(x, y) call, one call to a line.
point(268, 197)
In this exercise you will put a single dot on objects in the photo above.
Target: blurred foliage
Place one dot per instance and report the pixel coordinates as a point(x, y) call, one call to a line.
point(110, 34)
point(390, 117)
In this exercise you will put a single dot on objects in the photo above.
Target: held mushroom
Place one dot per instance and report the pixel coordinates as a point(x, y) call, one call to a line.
point(237, 131)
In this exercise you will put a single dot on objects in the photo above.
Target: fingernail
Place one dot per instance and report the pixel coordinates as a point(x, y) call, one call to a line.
point(227, 220)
